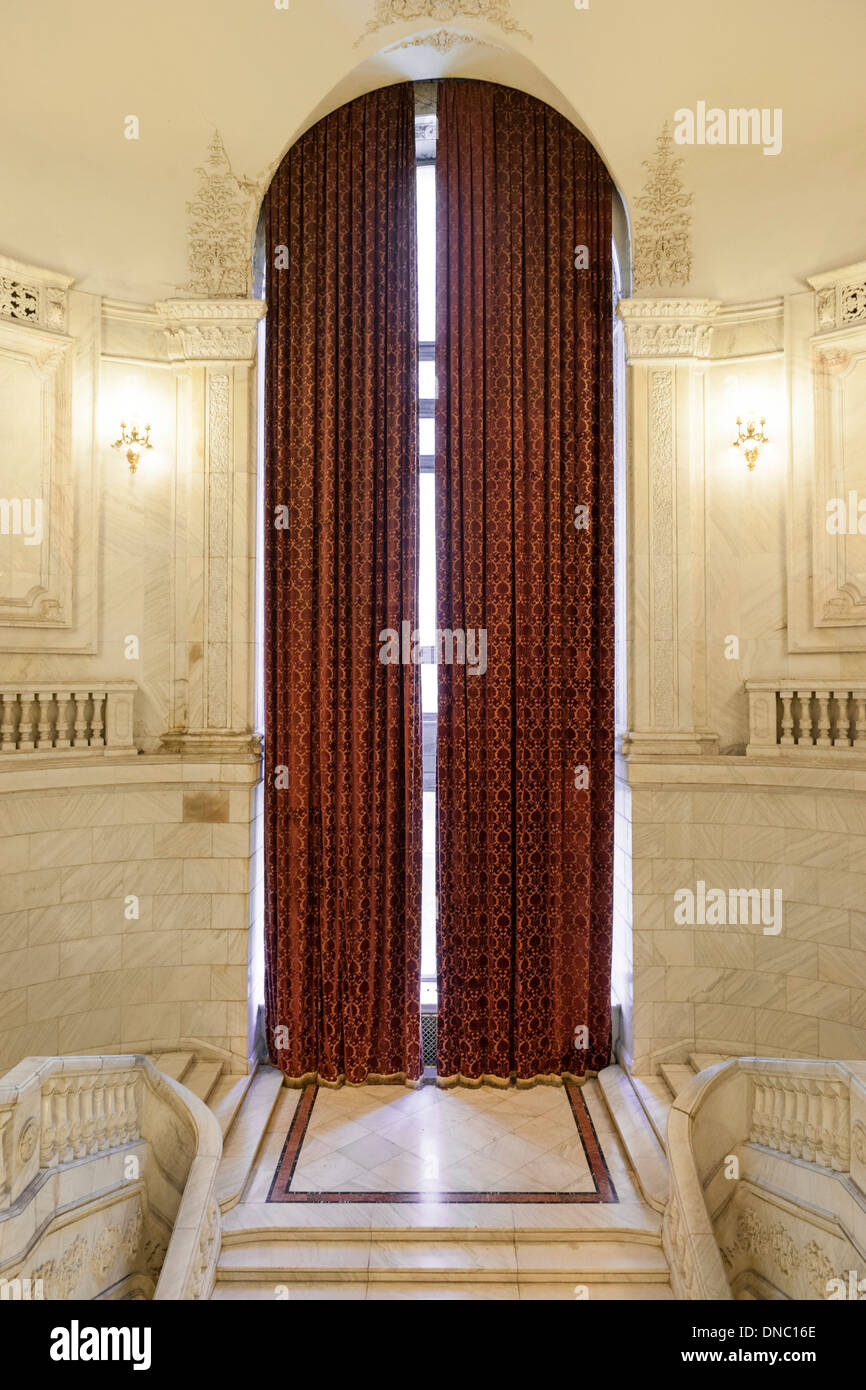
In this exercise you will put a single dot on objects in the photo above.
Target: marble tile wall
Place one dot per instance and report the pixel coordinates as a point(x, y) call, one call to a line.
point(124, 909)
point(733, 988)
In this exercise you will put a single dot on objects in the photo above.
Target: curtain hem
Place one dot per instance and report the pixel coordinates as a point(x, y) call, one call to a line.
point(540, 1079)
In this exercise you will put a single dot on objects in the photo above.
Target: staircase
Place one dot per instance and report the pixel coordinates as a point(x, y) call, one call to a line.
point(241, 1104)
point(640, 1106)
point(394, 1262)
point(360, 1251)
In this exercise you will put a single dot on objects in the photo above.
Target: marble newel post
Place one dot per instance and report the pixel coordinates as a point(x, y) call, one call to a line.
point(213, 346)
point(667, 344)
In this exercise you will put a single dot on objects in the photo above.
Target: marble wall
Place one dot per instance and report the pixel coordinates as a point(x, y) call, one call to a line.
point(733, 987)
point(125, 909)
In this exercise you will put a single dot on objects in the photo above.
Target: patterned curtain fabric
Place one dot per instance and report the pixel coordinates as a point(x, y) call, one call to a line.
point(524, 440)
point(343, 756)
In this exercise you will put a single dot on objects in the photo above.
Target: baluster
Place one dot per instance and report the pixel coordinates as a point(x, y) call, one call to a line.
point(25, 728)
point(43, 731)
point(860, 725)
point(88, 1128)
point(779, 1106)
point(65, 720)
point(823, 740)
point(7, 727)
point(843, 721)
point(75, 1119)
point(61, 1119)
point(132, 1106)
point(787, 698)
point(47, 1151)
point(120, 1094)
point(99, 1122)
point(813, 1123)
point(759, 1105)
point(798, 1124)
point(842, 1128)
point(110, 1115)
point(98, 722)
point(80, 697)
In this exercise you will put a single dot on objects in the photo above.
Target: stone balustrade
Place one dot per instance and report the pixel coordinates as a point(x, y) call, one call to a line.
point(744, 1210)
point(804, 1116)
point(122, 1162)
point(54, 718)
point(806, 717)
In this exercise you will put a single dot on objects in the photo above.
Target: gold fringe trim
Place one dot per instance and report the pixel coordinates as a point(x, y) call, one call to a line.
point(473, 1083)
point(312, 1078)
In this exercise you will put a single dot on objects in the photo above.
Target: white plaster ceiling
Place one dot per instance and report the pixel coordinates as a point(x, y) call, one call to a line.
point(81, 199)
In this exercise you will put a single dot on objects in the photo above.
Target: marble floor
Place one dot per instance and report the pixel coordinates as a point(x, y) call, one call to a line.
point(395, 1143)
point(446, 1195)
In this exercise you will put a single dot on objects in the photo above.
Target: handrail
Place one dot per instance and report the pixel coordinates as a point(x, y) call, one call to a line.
point(794, 1107)
point(55, 1111)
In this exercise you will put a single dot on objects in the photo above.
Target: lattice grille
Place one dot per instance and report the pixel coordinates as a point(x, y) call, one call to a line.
point(428, 1038)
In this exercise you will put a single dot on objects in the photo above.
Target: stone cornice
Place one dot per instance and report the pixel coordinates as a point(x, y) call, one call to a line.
point(667, 328)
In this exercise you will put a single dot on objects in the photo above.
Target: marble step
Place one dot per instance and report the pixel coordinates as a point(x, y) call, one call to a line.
point(202, 1077)
point(701, 1060)
point(676, 1076)
point(174, 1064)
point(243, 1140)
point(654, 1096)
point(227, 1097)
point(452, 1291)
point(435, 1261)
point(639, 1139)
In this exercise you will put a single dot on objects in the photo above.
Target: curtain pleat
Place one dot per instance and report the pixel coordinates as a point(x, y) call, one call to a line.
point(524, 437)
point(343, 747)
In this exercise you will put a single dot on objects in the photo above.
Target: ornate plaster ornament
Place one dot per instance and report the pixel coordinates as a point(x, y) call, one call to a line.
point(496, 12)
point(443, 41)
point(220, 229)
point(667, 327)
point(33, 296)
point(663, 245)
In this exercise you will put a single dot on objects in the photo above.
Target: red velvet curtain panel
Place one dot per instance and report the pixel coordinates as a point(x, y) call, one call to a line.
point(524, 440)
point(343, 755)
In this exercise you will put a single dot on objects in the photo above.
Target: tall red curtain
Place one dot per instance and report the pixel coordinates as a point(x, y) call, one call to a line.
point(343, 748)
point(524, 438)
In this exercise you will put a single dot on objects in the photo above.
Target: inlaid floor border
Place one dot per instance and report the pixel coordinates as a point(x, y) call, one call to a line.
point(280, 1189)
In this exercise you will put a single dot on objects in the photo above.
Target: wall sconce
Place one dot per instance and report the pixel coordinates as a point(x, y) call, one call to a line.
point(751, 439)
point(133, 442)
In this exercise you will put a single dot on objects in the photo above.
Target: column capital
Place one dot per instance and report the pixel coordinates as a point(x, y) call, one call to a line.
point(667, 329)
point(208, 330)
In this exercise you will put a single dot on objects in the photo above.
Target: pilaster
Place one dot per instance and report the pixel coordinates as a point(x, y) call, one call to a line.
point(212, 344)
point(667, 346)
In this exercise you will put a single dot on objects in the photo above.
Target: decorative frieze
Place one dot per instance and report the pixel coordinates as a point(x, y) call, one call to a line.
point(667, 328)
point(211, 330)
point(771, 1248)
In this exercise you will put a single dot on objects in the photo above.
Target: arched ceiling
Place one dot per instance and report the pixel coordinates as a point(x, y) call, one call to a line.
point(82, 199)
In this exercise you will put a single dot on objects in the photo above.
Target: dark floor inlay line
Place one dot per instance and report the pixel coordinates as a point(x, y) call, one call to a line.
point(280, 1189)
